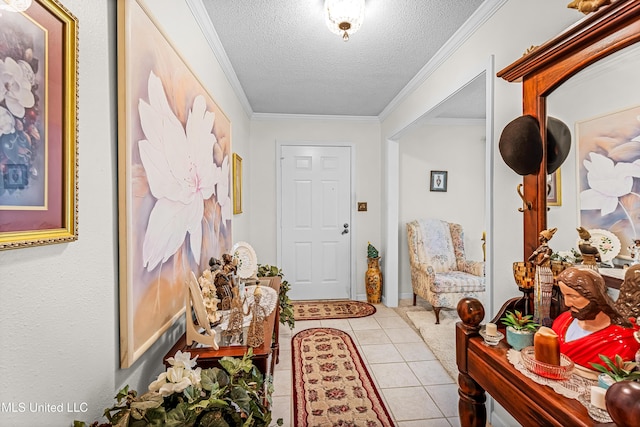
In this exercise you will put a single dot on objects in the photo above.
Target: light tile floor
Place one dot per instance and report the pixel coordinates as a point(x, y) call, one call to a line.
point(417, 390)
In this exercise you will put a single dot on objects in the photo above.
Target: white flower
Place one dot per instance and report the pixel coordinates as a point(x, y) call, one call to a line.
point(182, 360)
point(15, 87)
point(179, 165)
point(7, 122)
point(608, 182)
point(179, 376)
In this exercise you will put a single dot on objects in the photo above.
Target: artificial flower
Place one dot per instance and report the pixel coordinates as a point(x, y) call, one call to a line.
point(180, 170)
point(182, 360)
point(608, 182)
point(179, 376)
point(15, 87)
point(7, 122)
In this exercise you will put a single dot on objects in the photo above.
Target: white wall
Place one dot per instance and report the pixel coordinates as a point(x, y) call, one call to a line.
point(363, 134)
point(516, 26)
point(458, 149)
point(59, 303)
point(507, 34)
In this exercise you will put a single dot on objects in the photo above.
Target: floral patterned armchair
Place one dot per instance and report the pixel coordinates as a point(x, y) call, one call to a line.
point(440, 274)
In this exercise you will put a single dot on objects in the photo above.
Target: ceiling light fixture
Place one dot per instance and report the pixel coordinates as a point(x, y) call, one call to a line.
point(344, 17)
point(15, 5)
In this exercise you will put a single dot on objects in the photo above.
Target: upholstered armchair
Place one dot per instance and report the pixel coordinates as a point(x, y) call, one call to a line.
point(440, 273)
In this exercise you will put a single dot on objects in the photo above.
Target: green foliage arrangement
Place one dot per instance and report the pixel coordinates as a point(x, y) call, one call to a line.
point(618, 369)
point(192, 397)
point(372, 252)
point(286, 307)
point(517, 321)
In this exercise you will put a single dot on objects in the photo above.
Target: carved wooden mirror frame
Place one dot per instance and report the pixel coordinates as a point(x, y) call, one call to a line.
point(546, 67)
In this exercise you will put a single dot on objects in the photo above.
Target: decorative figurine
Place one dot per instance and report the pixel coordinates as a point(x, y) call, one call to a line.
point(590, 254)
point(255, 336)
point(635, 252)
point(628, 302)
point(223, 279)
point(233, 334)
point(543, 282)
point(591, 326)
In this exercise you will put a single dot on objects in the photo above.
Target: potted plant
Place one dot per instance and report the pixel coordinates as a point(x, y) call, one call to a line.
point(615, 370)
point(236, 395)
point(373, 275)
point(286, 306)
point(520, 329)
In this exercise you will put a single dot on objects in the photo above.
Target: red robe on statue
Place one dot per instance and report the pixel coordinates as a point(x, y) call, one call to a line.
point(609, 341)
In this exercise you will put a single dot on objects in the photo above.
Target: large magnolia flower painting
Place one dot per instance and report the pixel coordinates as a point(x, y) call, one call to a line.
point(175, 188)
point(609, 174)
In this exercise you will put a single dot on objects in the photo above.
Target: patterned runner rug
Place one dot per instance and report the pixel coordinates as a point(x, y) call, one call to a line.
point(331, 385)
point(338, 309)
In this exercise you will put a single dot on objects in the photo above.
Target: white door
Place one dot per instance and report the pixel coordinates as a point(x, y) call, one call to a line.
point(316, 221)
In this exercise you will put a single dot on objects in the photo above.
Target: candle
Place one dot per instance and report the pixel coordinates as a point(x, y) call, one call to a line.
point(597, 397)
point(546, 346)
point(491, 329)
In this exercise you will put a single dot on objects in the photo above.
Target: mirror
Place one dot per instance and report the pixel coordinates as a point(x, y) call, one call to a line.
point(601, 107)
point(546, 69)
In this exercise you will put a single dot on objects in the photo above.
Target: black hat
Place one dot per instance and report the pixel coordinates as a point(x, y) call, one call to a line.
point(521, 145)
point(558, 143)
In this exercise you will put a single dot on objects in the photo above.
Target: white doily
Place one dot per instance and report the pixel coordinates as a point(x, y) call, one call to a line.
point(571, 388)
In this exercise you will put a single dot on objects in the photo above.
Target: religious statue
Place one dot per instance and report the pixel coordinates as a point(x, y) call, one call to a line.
point(543, 280)
point(590, 254)
point(255, 336)
point(628, 302)
point(233, 334)
point(591, 326)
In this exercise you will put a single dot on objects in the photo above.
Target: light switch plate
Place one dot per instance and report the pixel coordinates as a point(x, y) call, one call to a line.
point(362, 206)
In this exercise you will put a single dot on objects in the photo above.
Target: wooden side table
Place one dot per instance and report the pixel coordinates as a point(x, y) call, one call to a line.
point(264, 357)
point(486, 369)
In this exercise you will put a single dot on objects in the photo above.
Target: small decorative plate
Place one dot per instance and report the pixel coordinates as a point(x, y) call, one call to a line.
point(607, 243)
point(247, 260)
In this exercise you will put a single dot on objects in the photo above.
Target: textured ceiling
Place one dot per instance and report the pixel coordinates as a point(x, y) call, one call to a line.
point(288, 62)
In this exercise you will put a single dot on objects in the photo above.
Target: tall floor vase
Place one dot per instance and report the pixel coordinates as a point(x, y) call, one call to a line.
point(373, 281)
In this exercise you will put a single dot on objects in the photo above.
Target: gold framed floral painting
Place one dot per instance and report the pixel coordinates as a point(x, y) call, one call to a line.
point(174, 155)
point(38, 122)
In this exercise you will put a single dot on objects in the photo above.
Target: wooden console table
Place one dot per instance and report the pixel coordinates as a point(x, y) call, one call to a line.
point(483, 368)
point(264, 357)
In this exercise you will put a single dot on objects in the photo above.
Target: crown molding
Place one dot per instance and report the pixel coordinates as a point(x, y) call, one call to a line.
point(453, 121)
point(201, 16)
point(480, 16)
point(316, 117)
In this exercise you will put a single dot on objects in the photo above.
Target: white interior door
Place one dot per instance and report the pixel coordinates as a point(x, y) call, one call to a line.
point(316, 220)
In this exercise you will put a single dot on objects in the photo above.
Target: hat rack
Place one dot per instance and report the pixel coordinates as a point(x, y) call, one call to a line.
point(526, 205)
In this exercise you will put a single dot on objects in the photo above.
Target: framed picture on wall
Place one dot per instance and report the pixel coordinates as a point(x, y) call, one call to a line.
point(554, 193)
point(438, 181)
point(237, 183)
point(38, 125)
point(174, 177)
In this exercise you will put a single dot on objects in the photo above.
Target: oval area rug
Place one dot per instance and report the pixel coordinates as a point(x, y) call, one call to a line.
point(331, 309)
point(331, 385)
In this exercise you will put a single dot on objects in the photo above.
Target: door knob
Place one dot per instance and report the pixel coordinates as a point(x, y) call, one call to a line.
point(346, 228)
